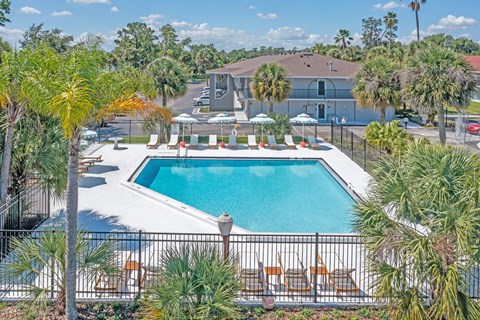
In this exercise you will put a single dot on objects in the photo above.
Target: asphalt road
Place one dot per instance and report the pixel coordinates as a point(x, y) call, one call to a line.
point(184, 104)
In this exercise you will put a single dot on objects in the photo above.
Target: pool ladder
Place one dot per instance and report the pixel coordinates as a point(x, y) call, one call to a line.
point(179, 152)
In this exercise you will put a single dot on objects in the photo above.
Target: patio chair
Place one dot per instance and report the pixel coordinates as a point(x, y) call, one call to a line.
point(289, 142)
point(342, 280)
point(294, 273)
point(193, 141)
point(252, 142)
point(153, 143)
point(212, 141)
point(111, 283)
point(94, 158)
point(250, 272)
point(312, 142)
point(232, 141)
point(272, 142)
point(86, 162)
point(153, 269)
point(173, 143)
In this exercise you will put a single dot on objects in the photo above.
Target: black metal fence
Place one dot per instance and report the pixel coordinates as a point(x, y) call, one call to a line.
point(306, 268)
point(27, 209)
point(355, 147)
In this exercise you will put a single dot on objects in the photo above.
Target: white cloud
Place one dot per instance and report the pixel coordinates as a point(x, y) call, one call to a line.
point(180, 24)
point(388, 6)
point(61, 13)
point(12, 36)
point(152, 19)
point(268, 16)
point(90, 1)
point(250, 7)
point(451, 22)
point(30, 10)
point(114, 9)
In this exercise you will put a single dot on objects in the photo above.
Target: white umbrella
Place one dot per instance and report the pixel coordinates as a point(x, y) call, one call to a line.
point(303, 118)
point(88, 134)
point(184, 118)
point(221, 118)
point(262, 119)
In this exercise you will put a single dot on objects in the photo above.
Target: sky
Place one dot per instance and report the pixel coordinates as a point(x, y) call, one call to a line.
point(235, 24)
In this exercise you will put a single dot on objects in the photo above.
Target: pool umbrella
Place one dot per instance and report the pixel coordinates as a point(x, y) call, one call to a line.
point(303, 118)
point(88, 134)
point(262, 119)
point(221, 118)
point(184, 118)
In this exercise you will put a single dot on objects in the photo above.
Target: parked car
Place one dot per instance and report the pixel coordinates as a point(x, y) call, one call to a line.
point(474, 128)
point(201, 101)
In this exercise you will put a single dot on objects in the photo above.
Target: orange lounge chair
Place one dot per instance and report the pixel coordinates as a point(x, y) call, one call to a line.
point(294, 273)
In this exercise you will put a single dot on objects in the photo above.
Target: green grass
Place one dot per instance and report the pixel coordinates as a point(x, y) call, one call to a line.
point(473, 109)
point(204, 109)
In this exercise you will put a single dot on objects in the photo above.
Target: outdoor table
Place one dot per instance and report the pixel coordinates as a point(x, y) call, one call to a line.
point(115, 142)
point(273, 271)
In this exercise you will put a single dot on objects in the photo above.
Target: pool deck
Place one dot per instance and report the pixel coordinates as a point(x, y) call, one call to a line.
point(108, 202)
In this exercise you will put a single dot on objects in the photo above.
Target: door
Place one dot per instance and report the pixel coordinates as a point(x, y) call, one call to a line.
point(321, 112)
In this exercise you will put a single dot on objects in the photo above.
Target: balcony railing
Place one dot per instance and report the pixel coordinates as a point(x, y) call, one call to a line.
point(312, 94)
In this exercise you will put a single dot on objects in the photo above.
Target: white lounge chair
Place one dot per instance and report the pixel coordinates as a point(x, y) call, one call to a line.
point(272, 142)
point(193, 141)
point(312, 142)
point(153, 143)
point(289, 142)
point(232, 141)
point(252, 142)
point(173, 141)
point(212, 141)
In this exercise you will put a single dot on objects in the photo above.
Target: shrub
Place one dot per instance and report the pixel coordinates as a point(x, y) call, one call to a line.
point(197, 283)
point(388, 137)
point(365, 312)
point(307, 313)
point(279, 313)
point(281, 126)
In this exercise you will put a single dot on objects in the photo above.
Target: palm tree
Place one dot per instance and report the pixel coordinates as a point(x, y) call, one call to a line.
point(344, 38)
point(415, 6)
point(197, 283)
point(424, 242)
point(43, 256)
point(377, 85)
point(435, 78)
point(205, 59)
point(391, 22)
point(169, 78)
point(270, 84)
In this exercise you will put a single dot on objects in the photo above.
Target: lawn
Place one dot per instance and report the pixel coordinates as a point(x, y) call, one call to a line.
point(472, 109)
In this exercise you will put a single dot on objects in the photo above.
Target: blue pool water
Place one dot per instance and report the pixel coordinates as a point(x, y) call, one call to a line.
point(261, 195)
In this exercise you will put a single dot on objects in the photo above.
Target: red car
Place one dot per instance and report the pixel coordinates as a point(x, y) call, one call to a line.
point(474, 128)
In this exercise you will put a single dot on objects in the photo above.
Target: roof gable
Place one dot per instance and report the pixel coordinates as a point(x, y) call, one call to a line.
point(474, 62)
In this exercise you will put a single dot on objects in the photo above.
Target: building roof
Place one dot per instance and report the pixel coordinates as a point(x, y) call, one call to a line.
point(297, 65)
point(474, 62)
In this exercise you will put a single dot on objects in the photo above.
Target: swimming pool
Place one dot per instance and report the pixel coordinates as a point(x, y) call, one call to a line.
point(261, 195)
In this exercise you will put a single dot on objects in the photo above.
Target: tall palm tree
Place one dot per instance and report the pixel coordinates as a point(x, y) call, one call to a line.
point(73, 105)
point(169, 78)
point(270, 84)
point(424, 242)
point(435, 78)
point(344, 38)
point(390, 21)
point(415, 6)
point(377, 85)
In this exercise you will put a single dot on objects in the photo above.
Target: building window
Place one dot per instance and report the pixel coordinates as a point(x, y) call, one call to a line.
point(321, 88)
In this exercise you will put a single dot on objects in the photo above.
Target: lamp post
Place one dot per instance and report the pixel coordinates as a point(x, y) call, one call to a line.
point(225, 224)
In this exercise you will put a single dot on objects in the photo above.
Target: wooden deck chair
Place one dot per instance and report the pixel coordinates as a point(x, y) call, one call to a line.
point(342, 280)
point(250, 272)
point(312, 142)
point(212, 141)
point(153, 143)
point(153, 269)
point(232, 141)
point(94, 158)
point(289, 142)
point(193, 141)
point(111, 283)
point(173, 141)
point(252, 142)
point(294, 273)
point(272, 142)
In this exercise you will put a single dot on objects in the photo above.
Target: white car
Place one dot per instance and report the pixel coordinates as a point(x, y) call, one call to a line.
point(201, 101)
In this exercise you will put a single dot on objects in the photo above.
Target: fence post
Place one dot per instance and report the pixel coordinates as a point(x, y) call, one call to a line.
point(341, 138)
point(315, 274)
point(364, 155)
point(331, 131)
point(139, 262)
point(351, 136)
point(52, 276)
point(130, 131)
point(19, 210)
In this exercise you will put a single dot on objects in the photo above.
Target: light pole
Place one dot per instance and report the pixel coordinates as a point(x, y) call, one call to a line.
point(225, 224)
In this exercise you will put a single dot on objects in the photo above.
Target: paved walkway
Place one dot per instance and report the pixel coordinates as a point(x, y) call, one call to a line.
point(107, 202)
